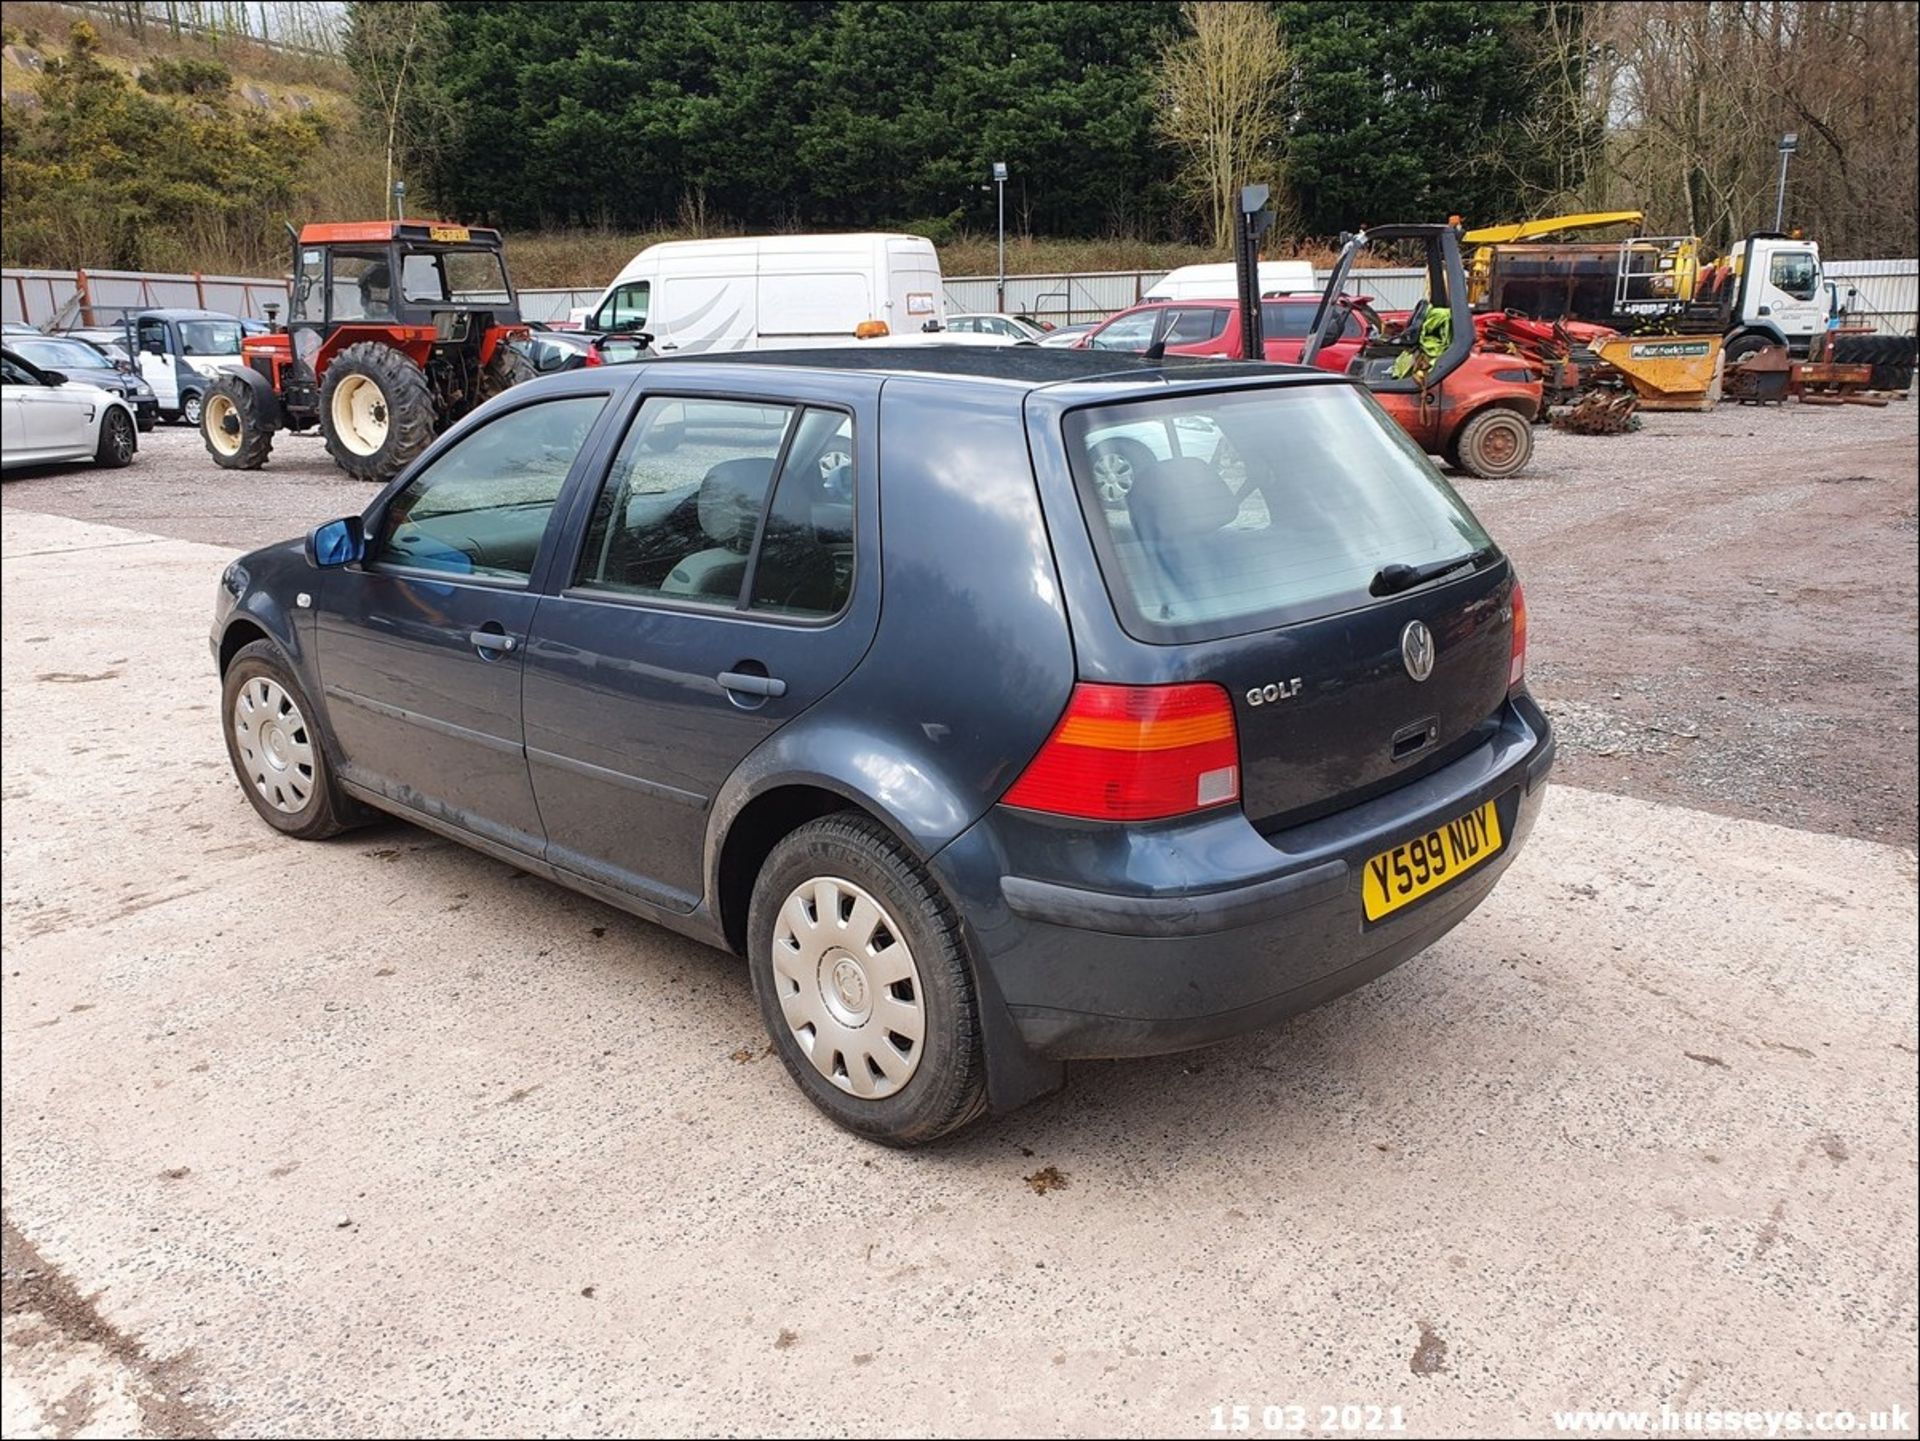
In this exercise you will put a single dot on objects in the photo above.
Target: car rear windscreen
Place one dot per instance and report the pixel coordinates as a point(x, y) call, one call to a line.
point(1229, 512)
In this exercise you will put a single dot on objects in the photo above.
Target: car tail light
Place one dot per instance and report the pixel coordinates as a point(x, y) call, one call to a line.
point(1135, 753)
point(1517, 667)
point(593, 356)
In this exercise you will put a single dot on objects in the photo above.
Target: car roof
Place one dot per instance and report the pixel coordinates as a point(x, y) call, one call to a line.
point(173, 313)
point(1025, 367)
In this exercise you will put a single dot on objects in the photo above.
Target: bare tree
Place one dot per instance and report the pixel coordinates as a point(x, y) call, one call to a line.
point(1222, 93)
point(1704, 89)
point(389, 47)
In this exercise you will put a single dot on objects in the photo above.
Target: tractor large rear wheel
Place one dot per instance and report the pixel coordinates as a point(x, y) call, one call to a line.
point(508, 368)
point(237, 435)
point(376, 411)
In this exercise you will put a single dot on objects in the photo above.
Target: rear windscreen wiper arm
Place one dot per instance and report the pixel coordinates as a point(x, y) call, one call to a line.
point(1392, 579)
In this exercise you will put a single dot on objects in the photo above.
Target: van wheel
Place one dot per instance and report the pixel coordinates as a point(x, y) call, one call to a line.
point(861, 970)
point(1494, 444)
point(190, 407)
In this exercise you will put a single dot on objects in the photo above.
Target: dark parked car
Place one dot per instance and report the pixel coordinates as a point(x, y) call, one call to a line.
point(1036, 773)
point(83, 361)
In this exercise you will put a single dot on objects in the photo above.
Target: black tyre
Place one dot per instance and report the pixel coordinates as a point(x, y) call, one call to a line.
point(508, 368)
point(376, 411)
point(861, 970)
point(1494, 444)
point(191, 403)
point(1742, 346)
point(1891, 356)
point(274, 741)
point(117, 440)
point(237, 435)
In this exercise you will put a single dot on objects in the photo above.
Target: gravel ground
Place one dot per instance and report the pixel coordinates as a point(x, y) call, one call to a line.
point(1723, 608)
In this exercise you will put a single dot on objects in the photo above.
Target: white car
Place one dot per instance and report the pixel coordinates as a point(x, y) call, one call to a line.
point(48, 418)
point(988, 323)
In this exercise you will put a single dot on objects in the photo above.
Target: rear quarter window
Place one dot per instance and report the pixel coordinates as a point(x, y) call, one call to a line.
point(1225, 513)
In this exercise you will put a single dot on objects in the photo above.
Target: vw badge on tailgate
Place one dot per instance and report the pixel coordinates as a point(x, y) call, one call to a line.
point(1416, 649)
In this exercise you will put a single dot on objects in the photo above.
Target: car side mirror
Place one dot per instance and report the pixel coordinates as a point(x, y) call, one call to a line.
point(154, 345)
point(55, 377)
point(337, 543)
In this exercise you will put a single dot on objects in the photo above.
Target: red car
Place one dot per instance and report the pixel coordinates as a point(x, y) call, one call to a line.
point(1212, 328)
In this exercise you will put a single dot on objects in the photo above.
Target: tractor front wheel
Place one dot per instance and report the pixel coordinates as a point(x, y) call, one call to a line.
point(1494, 444)
point(376, 411)
point(237, 435)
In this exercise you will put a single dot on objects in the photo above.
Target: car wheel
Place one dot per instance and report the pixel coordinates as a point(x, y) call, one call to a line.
point(190, 407)
point(1116, 465)
point(1494, 444)
point(861, 970)
point(117, 442)
point(274, 741)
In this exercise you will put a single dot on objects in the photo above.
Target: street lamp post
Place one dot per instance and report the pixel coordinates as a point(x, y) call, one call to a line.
point(1000, 185)
point(1789, 143)
point(400, 199)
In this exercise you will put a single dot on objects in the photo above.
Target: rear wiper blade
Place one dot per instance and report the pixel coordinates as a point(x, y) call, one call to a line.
point(1392, 579)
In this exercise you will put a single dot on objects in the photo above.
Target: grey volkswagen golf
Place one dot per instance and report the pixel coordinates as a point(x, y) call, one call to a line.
point(1000, 707)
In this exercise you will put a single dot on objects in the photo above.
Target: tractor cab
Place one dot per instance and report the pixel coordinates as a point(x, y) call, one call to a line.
point(1473, 408)
point(395, 329)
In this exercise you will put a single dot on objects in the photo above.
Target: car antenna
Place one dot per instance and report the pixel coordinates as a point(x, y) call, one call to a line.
point(1157, 347)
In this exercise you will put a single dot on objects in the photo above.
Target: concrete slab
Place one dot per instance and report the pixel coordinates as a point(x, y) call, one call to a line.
point(379, 1136)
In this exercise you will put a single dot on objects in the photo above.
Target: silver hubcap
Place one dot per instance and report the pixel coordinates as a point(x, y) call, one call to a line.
point(274, 744)
point(1113, 475)
point(848, 987)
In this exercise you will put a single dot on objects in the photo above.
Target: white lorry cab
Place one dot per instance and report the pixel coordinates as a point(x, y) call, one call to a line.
point(774, 291)
point(1222, 281)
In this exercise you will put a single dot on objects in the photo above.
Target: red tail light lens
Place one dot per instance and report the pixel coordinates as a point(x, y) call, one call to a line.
point(593, 356)
point(1135, 753)
point(1517, 668)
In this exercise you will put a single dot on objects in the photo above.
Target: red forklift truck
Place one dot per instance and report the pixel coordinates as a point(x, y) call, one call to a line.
point(1472, 408)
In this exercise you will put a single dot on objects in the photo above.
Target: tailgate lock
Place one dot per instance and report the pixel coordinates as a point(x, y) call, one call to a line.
point(1411, 740)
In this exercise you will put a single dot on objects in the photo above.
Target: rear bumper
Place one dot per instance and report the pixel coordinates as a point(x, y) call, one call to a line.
point(1206, 930)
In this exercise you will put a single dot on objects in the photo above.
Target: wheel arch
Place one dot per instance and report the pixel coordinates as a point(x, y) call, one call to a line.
point(240, 633)
point(1755, 329)
point(761, 824)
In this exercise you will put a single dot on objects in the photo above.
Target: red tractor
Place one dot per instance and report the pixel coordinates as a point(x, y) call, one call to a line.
point(1472, 407)
point(396, 330)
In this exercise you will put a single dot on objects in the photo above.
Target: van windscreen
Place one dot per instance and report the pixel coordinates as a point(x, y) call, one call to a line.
point(1234, 511)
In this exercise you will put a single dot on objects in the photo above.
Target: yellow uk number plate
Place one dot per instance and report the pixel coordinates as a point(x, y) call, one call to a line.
point(449, 234)
point(1423, 865)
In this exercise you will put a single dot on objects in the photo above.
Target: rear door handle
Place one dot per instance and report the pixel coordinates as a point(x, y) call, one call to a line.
point(491, 640)
point(760, 685)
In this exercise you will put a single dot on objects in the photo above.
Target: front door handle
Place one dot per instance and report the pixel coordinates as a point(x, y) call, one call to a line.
point(492, 640)
point(744, 684)
point(668, 345)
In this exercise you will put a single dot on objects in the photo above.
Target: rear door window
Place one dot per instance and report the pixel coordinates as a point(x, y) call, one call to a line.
point(691, 512)
point(1227, 513)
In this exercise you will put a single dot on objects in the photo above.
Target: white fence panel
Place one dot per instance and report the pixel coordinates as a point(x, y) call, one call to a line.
point(1886, 292)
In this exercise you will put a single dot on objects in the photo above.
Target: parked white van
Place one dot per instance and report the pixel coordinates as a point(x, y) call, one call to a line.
point(1222, 281)
point(774, 291)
